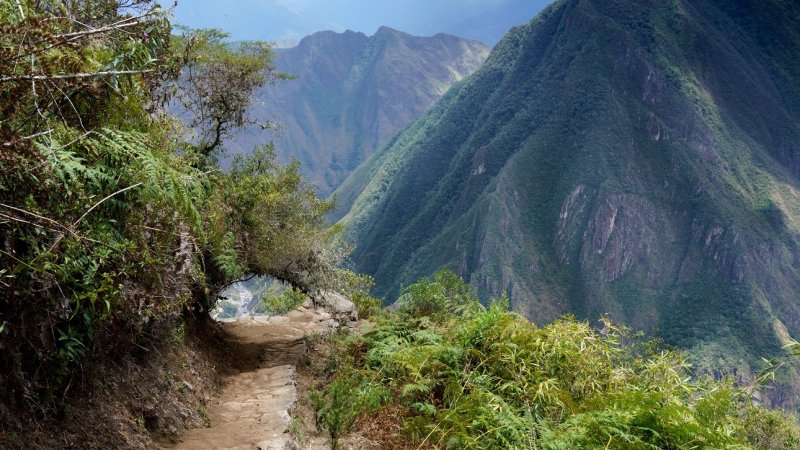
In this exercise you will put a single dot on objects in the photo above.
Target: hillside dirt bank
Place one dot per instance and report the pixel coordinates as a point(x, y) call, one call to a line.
point(230, 385)
point(252, 409)
point(139, 400)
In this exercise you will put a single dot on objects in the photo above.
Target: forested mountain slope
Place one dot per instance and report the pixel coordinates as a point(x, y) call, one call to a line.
point(352, 94)
point(639, 159)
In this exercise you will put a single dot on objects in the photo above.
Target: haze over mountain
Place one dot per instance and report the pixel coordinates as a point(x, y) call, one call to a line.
point(287, 20)
point(639, 159)
point(352, 94)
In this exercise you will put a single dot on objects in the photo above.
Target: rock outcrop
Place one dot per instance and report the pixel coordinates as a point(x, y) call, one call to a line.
point(342, 309)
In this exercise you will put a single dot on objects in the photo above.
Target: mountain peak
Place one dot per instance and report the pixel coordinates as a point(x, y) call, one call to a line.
point(328, 36)
point(383, 29)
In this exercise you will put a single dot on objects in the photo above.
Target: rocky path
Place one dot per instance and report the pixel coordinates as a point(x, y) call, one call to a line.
point(252, 410)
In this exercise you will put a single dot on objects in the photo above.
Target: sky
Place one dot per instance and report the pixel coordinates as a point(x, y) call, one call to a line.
point(282, 20)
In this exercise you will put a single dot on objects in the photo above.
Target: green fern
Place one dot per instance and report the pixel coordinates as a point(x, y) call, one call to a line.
point(226, 258)
point(491, 379)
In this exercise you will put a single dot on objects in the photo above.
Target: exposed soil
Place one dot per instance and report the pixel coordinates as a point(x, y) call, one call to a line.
point(252, 409)
point(233, 385)
point(135, 402)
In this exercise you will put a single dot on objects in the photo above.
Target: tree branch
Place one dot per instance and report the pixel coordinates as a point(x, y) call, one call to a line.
point(124, 23)
point(74, 75)
point(70, 37)
point(35, 135)
point(46, 219)
point(21, 12)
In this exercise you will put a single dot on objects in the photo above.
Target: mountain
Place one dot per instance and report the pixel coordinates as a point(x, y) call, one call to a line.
point(482, 20)
point(637, 159)
point(352, 94)
point(284, 20)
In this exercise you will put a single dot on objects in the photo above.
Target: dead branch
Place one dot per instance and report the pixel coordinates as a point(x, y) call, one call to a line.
point(73, 75)
point(103, 200)
point(21, 12)
point(46, 219)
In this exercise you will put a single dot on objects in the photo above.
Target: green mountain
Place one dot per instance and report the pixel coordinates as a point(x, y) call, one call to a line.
point(640, 159)
point(352, 94)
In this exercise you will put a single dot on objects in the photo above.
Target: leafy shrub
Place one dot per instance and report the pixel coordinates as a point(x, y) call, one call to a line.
point(340, 403)
point(488, 378)
point(267, 221)
point(440, 298)
point(356, 287)
point(284, 302)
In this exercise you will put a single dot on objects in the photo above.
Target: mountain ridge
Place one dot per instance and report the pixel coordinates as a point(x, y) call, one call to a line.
point(637, 161)
point(353, 93)
point(484, 20)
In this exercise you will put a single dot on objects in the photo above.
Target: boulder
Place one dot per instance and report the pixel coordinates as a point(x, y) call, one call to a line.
point(340, 307)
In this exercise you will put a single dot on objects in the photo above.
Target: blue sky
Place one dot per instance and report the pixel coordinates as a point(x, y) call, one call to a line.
point(485, 20)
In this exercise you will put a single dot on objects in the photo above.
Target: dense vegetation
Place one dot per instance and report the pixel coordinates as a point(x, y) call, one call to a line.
point(117, 229)
point(465, 376)
point(637, 159)
point(115, 224)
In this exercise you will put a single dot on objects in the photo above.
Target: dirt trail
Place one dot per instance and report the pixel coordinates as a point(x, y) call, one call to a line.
point(252, 410)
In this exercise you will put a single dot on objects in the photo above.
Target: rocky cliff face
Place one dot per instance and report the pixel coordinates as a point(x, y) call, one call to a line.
point(635, 159)
point(352, 94)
